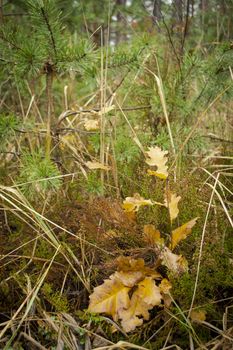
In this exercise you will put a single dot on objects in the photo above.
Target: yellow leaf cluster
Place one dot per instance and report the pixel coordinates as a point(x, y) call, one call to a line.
point(112, 297)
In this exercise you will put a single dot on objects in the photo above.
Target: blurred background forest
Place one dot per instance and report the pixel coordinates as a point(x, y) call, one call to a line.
point(86, 88)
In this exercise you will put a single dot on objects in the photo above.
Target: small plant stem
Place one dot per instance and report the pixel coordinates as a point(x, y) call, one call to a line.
point(102, 118)
point(49, 84)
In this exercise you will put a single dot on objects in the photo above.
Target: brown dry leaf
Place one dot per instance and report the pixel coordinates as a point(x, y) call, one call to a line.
point(171, 201)
point(143, 299)
point(132, 204)
point(129, 279)
point(152, 236)
point(157, 157)
point(129, 265)
point(177, 264)
point(91, 125)
point(110, 298)
point(97, 165)
point(198, 315)
point(182, 232)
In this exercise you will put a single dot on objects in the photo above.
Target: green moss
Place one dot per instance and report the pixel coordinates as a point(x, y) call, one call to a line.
point(58, 301)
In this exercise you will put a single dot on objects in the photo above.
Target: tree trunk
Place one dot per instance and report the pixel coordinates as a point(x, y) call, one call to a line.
point(120, 35)
point(157, 10)
point(178, 11)
point(1, 12)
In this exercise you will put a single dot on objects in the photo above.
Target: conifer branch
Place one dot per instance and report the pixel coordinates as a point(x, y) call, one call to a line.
point(49, 30)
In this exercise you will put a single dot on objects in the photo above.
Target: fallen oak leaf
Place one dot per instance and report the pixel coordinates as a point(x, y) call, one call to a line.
point(177, 264)
point(152, 236)
point(110, 298)
point(96, 165)
point(198, 315)
point(132, 204)
point(149, 292)
point(181, 232)
point(130, 265)
point(91, 125)
point(157, 157)
point(130, 278)
point(146, 296)
point(165, 286)
point(171, 202)
point(126, 264)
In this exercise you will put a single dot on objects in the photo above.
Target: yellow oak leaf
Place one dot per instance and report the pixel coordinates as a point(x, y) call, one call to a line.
point(157, 157)
point(97, 165)
point(110, 298)
point(198, 315)
point(132, 204)
point(152, 236)
point(91, 124)
point(171, 202)
point(177, 264)
point(181, 232)
point(149, 292)
point(146, 296)
point(165, 286)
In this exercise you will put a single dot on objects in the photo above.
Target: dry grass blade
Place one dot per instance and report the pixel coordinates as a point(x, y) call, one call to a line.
point(29, 301)
point(32, 340)
point(201, 246)
point(121, 345)
point(163, 102)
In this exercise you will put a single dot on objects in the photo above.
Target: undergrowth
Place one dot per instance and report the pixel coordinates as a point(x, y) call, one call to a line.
point(78, 119)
